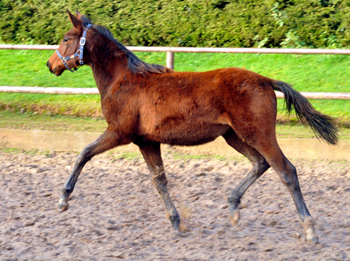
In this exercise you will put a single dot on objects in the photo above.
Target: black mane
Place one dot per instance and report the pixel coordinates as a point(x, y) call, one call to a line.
point(135, 65)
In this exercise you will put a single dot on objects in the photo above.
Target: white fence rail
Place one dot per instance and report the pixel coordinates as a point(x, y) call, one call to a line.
point(170, 63)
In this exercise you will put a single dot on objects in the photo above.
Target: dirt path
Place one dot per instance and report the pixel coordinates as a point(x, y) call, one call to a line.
point(116, 214)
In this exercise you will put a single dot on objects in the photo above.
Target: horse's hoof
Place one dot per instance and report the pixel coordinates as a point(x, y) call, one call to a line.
point(178, 233)
point(312, 239)
point(62, 205)
point(309, 226)
point(234, 217)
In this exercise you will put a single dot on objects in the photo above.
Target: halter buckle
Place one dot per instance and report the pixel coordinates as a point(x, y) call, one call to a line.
point(82, 41)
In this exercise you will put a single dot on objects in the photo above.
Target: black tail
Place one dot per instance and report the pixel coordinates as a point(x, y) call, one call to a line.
point(322, 125)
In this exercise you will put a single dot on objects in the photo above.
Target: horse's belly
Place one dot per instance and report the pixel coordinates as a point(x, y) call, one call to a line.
point(188, 135)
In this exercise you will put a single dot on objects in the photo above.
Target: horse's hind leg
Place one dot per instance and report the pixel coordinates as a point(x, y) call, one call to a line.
point(152, 156)
point(259, 167)
point(254, 122)
point(286, 171)
point(106, 141)
point(288, 175)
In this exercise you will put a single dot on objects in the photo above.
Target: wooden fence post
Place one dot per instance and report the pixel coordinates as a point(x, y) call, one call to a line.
point(170, 60)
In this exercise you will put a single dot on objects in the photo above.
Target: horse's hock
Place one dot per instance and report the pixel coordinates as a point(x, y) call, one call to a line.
point(75, 141)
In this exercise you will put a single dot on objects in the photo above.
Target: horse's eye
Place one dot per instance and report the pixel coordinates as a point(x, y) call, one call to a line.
point(65, 40)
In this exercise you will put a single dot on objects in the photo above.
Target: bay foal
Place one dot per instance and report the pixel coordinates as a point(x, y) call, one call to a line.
point(150, 104)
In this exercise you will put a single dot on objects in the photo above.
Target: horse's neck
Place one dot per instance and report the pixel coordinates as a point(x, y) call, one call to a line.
point(106, 66)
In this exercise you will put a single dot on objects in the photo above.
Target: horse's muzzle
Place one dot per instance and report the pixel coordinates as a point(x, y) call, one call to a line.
point(48, 65)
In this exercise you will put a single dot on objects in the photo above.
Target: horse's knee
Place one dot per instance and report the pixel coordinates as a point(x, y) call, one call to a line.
point(160, 183)
point(85, 155)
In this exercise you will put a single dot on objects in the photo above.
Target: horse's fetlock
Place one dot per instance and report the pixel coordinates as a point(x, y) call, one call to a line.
point(234, 198)
point(67, 191)
point(175, 221)
point(308, 221)
point(174, 217)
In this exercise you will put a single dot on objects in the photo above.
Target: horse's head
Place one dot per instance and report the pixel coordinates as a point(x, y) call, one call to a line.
point(70, 53)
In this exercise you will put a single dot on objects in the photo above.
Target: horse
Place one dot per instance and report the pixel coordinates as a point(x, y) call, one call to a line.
point(148, 104)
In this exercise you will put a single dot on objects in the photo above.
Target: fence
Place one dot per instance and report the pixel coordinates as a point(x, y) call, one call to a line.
point(170, 63)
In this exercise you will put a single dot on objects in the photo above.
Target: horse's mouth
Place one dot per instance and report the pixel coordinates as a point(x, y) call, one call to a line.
point(56, 72)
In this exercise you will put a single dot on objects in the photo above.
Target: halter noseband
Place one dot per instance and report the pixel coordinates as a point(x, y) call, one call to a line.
point(79, 53)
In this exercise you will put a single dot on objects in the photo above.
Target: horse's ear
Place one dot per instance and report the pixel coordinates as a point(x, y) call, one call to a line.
point(75, 21)
point(78, 14)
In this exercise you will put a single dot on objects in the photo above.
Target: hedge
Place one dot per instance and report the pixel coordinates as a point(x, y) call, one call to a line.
point(211, 23)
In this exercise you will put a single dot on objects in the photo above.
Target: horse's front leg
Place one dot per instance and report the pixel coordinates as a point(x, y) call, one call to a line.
point(106, 141)
point(151, 154)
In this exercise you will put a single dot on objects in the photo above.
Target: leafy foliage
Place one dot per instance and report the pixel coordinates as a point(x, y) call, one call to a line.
point(221, 23)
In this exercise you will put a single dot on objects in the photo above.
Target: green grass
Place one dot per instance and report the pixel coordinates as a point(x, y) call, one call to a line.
point(22, 151)
point(187, 157)
point(309, 73)
point(127, 155)
point(52, 104)
point(30, 121)
point(28, 68)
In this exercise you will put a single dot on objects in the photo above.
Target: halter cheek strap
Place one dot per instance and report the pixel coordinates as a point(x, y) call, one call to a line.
point(79, 52)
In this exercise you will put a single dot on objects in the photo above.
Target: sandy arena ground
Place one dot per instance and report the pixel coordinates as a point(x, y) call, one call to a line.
point(115, 212)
